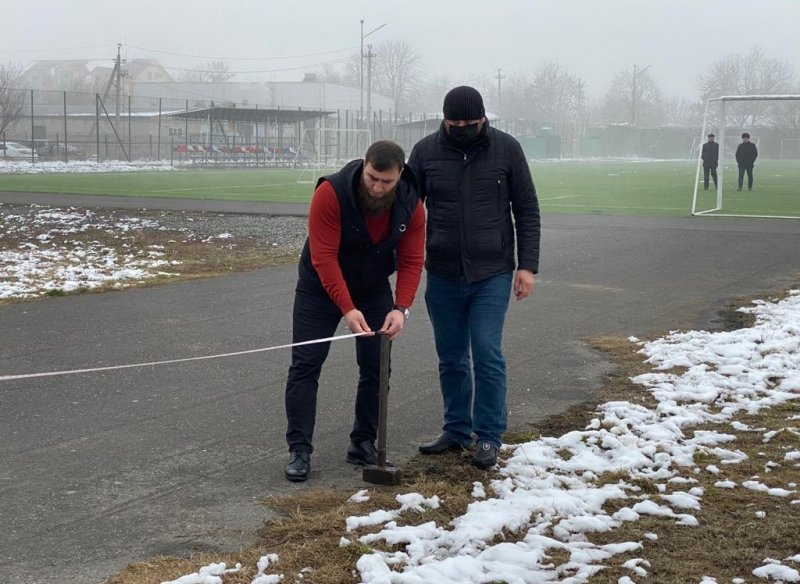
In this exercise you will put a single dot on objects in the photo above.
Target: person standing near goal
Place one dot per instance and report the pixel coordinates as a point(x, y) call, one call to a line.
point(710, 156)
point(746, 154)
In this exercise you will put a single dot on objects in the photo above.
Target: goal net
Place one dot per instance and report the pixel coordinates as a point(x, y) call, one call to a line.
point(325, 150)
point(773, 122)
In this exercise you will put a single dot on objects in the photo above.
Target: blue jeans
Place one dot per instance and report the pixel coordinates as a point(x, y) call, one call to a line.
point(469, 318)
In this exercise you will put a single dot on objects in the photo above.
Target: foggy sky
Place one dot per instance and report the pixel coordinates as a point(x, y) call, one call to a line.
point(465, 39)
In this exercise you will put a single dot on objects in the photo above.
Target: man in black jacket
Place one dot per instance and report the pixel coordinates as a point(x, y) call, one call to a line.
point(746, 154)
point(481, 203)
point(710, 156)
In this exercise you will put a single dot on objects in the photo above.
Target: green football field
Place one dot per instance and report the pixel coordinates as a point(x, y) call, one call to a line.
point(605, 187)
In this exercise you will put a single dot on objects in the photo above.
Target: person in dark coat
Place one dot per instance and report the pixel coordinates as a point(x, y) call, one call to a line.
point(746, 154)
point(365, 222)
point(710, 156)
point(482, 208)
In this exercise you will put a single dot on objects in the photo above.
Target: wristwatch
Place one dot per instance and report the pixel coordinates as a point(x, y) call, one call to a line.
point(402, 309)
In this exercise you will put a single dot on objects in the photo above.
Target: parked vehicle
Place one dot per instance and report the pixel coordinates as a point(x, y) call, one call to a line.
point(56, 149)
point(16, 151)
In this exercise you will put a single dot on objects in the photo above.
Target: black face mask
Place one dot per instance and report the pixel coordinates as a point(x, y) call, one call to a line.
point(463, 136)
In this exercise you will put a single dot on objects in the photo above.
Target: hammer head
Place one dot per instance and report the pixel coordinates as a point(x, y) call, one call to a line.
point(381, 475)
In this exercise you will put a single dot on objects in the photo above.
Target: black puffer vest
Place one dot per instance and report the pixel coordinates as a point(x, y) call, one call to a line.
point(365, 265)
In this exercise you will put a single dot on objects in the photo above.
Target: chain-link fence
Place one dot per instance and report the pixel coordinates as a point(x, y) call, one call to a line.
point(66, 126)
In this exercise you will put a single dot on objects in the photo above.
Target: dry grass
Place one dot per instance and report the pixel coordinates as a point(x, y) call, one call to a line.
point(307, 535)
point(729, 542)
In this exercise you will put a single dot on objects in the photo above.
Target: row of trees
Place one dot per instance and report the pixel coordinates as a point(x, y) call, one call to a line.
point(554, 96)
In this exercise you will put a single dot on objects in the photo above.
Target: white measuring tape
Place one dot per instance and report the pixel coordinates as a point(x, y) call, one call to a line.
point(219, 356)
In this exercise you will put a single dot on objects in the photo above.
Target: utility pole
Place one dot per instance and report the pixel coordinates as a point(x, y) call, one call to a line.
point(633, 93)
point(118, 69)
point(361, 63)
point(499, 78)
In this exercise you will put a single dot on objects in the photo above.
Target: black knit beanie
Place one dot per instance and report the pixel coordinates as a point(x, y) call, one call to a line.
point(463, 103)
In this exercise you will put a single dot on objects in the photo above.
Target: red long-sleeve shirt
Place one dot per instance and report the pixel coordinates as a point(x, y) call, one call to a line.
point(324, 233)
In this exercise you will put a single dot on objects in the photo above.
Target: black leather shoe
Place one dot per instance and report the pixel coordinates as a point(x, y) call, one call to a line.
point(441, 445)
point(364, 453)
point(486, 456)
point(299, 466)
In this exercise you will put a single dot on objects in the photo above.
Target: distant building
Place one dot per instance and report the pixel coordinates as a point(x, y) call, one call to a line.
point(146, 70)
point(62, 75)
point(83, 75)
point(147, 78)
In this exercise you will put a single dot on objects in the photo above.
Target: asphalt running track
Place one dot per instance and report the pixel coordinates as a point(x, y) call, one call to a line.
point(101, 469)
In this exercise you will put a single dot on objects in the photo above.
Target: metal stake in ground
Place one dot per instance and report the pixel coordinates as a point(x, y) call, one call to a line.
point(381, 474)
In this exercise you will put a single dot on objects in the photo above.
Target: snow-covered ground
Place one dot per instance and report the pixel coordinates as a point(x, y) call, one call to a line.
point(50, 254)
point(81, 166)
point(38, 265)
point(556, 500)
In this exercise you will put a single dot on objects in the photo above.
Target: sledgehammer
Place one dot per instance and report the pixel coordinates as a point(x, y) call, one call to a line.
point(381, 474)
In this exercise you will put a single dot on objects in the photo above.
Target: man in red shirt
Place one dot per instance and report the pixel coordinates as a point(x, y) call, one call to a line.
point(365, 222)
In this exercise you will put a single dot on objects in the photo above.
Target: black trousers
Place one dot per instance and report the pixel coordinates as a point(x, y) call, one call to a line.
point(749, 171)
point(315, 316)
point(713, 172)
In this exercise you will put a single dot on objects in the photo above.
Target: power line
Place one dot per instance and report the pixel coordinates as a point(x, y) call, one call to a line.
point(307, 66)
point(217, 57)
point(61, 49)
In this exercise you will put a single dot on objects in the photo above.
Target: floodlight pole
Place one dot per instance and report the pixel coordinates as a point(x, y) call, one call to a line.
point(721, 159)
point(361, 72)
point(370, 54)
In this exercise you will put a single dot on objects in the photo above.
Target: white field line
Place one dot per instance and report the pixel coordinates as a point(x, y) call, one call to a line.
point(222, 187)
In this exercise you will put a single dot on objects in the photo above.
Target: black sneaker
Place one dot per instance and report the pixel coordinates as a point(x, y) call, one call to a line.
point(363, 453)
point(486, 456)
point(299, 466)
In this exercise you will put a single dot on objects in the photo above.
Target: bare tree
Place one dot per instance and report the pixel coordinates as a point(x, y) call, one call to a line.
point(329, 73)
point(679, 111)
point(218, 71)
point(214, 71)
point(428, 95)
point(751, 74)
point(397, 71)
point(550, 95)
point(786, 114)
point(191, 76)
point(634, 97)
point(515, 99)
point(12, 97)
point(351, 75)
point(558, 96)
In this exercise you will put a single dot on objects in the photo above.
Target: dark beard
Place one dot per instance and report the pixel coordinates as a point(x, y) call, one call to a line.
point(373, 205)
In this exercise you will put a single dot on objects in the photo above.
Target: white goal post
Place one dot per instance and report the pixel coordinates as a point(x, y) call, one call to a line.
point(723, 101)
